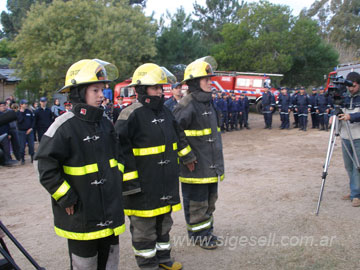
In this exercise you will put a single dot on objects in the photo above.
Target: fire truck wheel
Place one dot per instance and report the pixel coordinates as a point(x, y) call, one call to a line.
point(259, 107)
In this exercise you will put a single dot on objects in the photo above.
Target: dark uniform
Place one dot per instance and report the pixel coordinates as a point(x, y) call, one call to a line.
point(222, 106)
point(80, 164)
point(284, 105)
point(314, 117)
point(198, 117)
point(171, 103)
point(268, 101)
point(234, 111)
point(322, 104)
point(43, 120)
point(296, 114)
point(150, 139)
point(25, 121)
point(302, 104)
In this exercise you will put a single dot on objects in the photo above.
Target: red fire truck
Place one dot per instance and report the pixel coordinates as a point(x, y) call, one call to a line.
point(251, 84)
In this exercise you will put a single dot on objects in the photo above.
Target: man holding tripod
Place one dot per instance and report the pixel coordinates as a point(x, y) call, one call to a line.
point(351, 109)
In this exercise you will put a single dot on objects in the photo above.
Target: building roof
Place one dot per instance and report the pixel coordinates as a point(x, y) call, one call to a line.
point(9, 75)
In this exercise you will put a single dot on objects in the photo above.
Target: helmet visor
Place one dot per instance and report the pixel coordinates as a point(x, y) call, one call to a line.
point(210, 60)
point(171, 79)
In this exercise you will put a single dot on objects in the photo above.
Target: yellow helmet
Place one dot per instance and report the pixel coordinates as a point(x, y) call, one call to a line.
point(200, 68)
point(152, 74)
point(89, 71)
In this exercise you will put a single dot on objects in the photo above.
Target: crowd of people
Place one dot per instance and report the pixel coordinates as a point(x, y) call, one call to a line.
point(235, 110)
point(32, 121)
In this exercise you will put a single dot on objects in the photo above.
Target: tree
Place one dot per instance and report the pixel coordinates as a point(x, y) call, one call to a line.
point(212, 17)
point(6, 49)
point(339, 21)
point(48, 43)
point(268, 39)
point(177, 43)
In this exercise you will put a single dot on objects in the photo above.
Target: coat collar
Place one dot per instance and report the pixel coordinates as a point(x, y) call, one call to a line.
point(88, 113)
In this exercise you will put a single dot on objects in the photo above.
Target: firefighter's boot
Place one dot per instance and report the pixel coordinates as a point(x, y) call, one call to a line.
point(170, 266)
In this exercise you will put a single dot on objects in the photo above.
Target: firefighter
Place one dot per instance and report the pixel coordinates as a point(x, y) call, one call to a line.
point(302, 107)
point(222, 106)
point(268, 105)
point(296, 114)
point(285, 106)
point(241, 104)
point(118, 107)
point(322, 106)
point(234, 111)
point(81, 167)
point(199, 180)
point(152, 141)
point(314, 117)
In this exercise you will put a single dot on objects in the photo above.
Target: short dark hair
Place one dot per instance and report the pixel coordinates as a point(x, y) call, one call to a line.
point(354, 77)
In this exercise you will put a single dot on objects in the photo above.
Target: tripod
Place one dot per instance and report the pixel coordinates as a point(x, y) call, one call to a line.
point(334, 132)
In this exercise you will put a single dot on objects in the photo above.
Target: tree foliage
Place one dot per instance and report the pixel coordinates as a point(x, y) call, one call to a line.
point(339, 21)
point(6, 49)
point(211, 17)
point(268, 39)
point(55, 36)
point(177, 43)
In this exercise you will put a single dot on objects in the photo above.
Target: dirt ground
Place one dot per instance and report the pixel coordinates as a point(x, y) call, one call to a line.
point(265, 212)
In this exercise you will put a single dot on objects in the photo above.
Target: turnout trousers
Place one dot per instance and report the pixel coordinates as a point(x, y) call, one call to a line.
point(98, 254)
point(151, 240)
point(199, 205)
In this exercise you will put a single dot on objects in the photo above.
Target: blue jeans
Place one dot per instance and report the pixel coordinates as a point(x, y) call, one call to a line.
point(353, 173)
point(23, 139)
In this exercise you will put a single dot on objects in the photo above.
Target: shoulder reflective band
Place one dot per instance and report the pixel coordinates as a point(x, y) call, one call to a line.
point(145, 253)
point(130, 176)
point(61, 191)
point(91, 235)
point(218, 129)
point(163, 246)
point(184, 151)
point(205, 180)
point(200, 226)
point(149, 151)
point(175, 146)
point(201, 132)
point(154, 212)
point(114, 163)
point(92, 168)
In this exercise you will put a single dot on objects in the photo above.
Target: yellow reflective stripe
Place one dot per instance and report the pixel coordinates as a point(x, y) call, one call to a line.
point(61, 191)
point(145, 253)
point(130, 176)
point(218, 129)
point(184, 151)
point(154, 212)
point(91, 235)
point(205, 180)
point(175, 146)
point(203, 132)
point(92, 168)
point(149, 150)
point(114, 163)
point(121, 167)
point(200, 226)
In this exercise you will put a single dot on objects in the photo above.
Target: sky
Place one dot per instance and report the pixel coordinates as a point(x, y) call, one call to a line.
point(160, 6)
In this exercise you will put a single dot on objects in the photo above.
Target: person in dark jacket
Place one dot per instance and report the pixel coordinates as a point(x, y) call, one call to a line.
point(25, 123)
point(152, 141)
point(234, 111)
point(118, 107)
point(268, 106)
point(285, 106)
point(222, 106)
point(302, 107)
point(314, 117)
point(322, 107)
point(199, 180)
point(296, 114)
point(177, 95)
point(80, 164)
point(43, 118)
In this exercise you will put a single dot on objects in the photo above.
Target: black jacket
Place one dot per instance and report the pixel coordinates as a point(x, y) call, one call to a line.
point(25, 120)
point(200, 121)
point(43, 118)
point(80, 163)
point(151, 141)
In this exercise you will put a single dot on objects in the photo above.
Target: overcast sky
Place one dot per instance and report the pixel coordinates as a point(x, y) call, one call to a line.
point(160, 6)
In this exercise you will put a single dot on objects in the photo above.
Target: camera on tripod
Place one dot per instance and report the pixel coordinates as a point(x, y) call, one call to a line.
point(338, 90)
